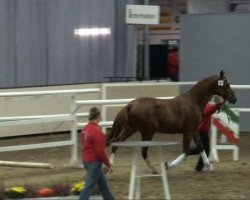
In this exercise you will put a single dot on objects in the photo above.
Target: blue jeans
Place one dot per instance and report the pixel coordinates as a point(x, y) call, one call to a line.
point(95, 175)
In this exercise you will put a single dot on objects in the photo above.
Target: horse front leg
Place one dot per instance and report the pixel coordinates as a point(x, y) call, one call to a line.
point(200, 147)
point(186, 143)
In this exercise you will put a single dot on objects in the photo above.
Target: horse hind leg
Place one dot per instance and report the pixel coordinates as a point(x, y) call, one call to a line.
point(127, 132)
point(147, 136)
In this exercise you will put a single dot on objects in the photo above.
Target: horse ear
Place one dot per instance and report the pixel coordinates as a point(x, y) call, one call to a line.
point(222, 74)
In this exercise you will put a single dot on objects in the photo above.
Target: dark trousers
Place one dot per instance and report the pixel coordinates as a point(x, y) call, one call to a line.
point(206, 143)
point(94, 176)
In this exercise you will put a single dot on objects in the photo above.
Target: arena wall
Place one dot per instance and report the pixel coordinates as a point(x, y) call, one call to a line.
point(212, 42)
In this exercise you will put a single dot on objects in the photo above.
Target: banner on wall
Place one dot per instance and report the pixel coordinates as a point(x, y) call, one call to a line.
point(169, 26)
point(170, 12)
point(142, 14)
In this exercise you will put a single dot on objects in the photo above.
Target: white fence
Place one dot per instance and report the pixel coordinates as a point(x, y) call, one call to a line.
point(24, 120)
point(20, 120)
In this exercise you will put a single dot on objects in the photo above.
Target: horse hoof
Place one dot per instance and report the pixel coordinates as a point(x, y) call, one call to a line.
point(166, 165)
point(210, 168)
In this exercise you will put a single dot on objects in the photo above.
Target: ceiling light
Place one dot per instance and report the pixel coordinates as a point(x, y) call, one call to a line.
point(92, 31)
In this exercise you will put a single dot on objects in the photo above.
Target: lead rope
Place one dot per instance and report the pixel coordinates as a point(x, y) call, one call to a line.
point(228, 118)
point(222, 108)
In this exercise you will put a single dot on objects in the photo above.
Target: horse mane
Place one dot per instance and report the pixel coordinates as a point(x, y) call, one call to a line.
point(205, 81)
point(198, 88)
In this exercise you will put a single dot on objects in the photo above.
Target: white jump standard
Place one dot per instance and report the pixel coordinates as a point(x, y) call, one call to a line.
point(134, 186)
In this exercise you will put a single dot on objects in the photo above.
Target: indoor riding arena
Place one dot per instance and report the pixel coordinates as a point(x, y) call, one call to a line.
point(59, 59)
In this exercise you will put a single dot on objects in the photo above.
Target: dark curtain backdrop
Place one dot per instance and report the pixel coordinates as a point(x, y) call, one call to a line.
point(38, 47)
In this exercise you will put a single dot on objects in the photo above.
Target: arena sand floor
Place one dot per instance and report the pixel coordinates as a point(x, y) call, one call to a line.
point(230, 180)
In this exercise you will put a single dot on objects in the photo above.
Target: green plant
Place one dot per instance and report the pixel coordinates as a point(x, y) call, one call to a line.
point(16, 192)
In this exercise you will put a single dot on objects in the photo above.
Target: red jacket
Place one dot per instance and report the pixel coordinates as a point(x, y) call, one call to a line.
point(93, 144)
point(173, 64)
point(206, 116)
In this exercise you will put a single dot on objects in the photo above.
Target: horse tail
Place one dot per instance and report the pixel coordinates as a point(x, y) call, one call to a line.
point(120, 121)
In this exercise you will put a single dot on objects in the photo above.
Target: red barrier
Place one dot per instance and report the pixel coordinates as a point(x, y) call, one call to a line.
point(226, 132)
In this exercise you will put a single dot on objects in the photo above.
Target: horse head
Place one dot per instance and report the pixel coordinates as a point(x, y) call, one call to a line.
point(224, 90)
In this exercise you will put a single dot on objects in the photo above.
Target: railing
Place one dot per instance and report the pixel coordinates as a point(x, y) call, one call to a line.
point(36, 119)
point(52, 92)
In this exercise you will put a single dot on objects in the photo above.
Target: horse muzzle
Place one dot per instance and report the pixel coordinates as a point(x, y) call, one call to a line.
point(232, 98)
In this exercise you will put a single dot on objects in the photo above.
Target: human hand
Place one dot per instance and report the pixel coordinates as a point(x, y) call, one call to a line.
point(105, 169)
point(111, 169)
point(222, 101)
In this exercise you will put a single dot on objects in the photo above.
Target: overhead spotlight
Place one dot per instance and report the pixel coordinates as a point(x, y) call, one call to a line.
point(92, 31)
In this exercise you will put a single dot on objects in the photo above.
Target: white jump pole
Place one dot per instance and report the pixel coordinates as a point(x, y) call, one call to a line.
point(26, 164)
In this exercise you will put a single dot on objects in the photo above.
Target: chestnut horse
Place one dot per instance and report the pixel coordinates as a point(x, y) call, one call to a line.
point(181, 114)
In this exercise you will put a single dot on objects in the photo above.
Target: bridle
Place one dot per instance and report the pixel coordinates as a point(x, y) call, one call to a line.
point(228, 94)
